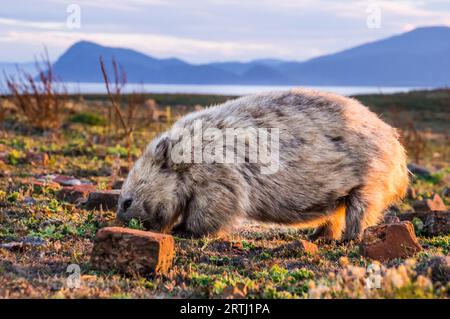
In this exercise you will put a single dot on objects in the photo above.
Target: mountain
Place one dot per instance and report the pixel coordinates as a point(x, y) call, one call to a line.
point(80, 63)
point(417, 58)
point(240, 68)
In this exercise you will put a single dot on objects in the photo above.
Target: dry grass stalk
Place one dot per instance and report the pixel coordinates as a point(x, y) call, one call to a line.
point(115, 99)
point(2, 111)
point(415, 142)
point(412, 138)
point(39, 99)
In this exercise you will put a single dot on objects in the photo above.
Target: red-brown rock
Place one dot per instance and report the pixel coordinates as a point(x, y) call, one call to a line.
point(75, 194)
point(434, 223)
point(390, 241)
point(132, 251)
point(427, 205)
point(106, 199)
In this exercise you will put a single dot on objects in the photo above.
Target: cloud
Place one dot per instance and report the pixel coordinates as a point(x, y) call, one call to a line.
point(31, 24)
point(128, 5)
point(200, 30)
point(158, 45)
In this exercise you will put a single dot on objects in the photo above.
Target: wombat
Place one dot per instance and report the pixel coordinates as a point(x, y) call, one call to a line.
point(339, 168)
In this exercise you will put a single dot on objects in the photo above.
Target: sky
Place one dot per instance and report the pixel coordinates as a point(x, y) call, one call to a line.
point(209, 30)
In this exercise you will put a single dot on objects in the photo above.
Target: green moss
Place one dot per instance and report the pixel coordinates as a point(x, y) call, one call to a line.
point(442, 242)
point(136, 224)
point(88, 118)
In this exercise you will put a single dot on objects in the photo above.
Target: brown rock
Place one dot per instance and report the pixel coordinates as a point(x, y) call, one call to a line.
point(132, 251)
point(75, 194)
point(428, 205)
point(297, 246)
point(390, 241)
point(435, 223)
point(103, 199)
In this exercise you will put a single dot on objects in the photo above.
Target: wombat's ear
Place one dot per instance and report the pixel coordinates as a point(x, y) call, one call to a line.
point(161, 152)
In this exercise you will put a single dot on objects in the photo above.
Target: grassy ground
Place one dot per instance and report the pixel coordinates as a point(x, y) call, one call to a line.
point(249, 262)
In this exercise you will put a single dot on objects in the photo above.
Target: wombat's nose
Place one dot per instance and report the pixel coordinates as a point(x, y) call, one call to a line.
point(126, 203)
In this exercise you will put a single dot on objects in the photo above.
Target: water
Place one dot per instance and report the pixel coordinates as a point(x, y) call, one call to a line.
point(229, 89)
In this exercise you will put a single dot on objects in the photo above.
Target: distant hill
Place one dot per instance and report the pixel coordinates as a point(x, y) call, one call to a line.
point(417, 58)
point(80, 63)
point(420, 57)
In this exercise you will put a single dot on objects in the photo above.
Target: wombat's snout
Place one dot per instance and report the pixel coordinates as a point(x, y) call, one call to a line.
point(122, 209)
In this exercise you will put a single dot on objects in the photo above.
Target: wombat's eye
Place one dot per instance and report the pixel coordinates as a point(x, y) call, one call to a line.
point(127, 203)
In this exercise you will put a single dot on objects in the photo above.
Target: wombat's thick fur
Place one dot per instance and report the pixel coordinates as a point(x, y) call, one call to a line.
point(340, 167)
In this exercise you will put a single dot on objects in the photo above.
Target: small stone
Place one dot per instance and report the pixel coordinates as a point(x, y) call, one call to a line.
point(391, 219)
point(297, 246)
point(390, 241)
point(132, 251)
point(30, 242)
point(66, 180)
point(106, 199)
point(435, 223)
point(75, 194)
point(37, 159)
point(446, 192)
point(428, 205)
point(419, 170)
point(63, 180)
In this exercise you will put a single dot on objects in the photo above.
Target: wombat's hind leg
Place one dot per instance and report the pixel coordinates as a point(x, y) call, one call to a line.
point(356, 206)
point(333, 227)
